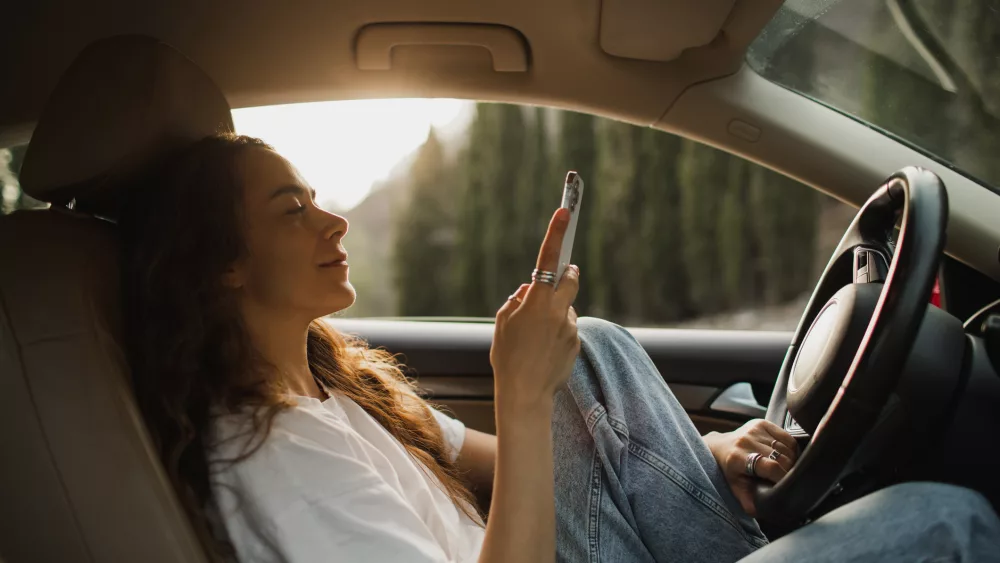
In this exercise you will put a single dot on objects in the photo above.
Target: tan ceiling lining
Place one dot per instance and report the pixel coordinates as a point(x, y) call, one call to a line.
point(247, 47)
point(660, 30)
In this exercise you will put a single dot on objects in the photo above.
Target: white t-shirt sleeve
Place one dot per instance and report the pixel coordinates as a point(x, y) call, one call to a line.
point(453, 431)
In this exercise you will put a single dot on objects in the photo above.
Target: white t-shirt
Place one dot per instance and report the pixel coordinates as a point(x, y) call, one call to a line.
point(329, 484)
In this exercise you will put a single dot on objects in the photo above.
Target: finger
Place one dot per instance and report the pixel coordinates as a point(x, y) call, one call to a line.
point(504, 312)
point(783, 459)
point(513, 302)
point(783, 453)
point(548, 255)
point(569, 286)
point(762, 436)
point(780, 434)
point(521, 292)
point(770, 470)
point(570, 329)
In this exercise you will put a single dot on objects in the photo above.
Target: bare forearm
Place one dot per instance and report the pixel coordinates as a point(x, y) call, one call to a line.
point(521, 526)
point(477, 463)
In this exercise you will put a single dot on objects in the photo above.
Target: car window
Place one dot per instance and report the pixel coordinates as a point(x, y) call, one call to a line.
point(448, 202)
point(11, 196)
point(672, 232)
point(924, 71)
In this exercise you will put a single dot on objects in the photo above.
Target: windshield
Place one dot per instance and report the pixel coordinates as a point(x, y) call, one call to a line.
point(925, 71)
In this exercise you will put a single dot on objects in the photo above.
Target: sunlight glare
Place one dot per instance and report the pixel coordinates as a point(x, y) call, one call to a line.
point(342, 148)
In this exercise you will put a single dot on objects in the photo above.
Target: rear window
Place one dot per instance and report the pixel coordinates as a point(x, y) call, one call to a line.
point(11, 197)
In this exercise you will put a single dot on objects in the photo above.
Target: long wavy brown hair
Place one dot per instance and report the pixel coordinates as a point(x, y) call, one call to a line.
point(182, 226)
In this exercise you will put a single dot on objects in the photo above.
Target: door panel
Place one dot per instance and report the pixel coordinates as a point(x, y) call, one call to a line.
point(704, 368)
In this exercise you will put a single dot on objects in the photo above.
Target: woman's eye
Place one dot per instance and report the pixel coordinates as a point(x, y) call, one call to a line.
point(296, 210)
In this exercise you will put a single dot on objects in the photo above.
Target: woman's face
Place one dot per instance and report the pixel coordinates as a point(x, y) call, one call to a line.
point(296, 265)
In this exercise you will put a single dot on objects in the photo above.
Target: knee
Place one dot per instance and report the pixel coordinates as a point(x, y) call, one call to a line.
point(595, 328)
point(957, 508)
point(921, 494)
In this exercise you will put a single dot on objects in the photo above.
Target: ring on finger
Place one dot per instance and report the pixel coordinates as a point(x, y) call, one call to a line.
point(514, 297)
point(543, 276)
point(773, 442)
point(752, 460)
point(774, 455)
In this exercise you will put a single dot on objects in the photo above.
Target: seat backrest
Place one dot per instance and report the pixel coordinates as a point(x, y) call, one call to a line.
point(80, 479)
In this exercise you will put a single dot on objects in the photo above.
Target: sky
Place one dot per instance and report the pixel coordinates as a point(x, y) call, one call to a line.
point(342, 148)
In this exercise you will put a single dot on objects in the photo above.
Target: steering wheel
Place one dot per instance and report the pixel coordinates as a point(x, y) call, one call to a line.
point(848, 351)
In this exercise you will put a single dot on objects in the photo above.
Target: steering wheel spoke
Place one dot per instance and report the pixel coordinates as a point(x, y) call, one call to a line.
point(870, 265)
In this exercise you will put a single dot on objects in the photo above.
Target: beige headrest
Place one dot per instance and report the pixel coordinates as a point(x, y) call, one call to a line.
point(123, 101)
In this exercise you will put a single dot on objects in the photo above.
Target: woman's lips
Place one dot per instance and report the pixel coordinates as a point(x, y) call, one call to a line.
point(340, 262)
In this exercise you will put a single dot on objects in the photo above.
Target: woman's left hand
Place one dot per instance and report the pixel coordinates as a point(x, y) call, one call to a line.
point(731, 450)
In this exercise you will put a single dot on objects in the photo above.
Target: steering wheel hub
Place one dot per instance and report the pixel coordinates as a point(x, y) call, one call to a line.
point(828, 350)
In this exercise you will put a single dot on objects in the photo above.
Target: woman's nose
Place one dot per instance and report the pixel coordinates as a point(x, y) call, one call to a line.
point(336, 226)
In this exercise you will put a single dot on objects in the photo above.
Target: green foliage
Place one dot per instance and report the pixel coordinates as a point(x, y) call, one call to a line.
point(703, 179)
point(424, 237)
point(735, 249)
point(670, 229)
point(534, 194)
point(611, 201)
point(663, 288)
point(784, 218)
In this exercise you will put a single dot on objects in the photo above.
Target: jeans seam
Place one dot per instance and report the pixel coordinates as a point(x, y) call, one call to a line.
point(594, 537)
point(595, 414)
point(660, 465)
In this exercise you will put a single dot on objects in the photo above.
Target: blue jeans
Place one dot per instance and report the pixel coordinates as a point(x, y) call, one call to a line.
point(635, 482)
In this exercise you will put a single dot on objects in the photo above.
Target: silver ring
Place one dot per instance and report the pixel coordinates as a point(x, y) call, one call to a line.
point(774, 455)
point(773, 442)
point(752, 464)
point(543, 276)
point(514, 297)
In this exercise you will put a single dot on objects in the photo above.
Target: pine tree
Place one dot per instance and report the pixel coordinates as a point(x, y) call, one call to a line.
point(424, 237)
point(611, 235)
point(734, 243)
point(785, 217)
point(501, 247)
point(537, 191)
point(576, 141)
point(468, 265)
point(488, 243)
point(660, 258)
point(703, 179)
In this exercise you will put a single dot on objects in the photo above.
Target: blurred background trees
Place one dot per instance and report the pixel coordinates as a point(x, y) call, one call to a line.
point(670, 229)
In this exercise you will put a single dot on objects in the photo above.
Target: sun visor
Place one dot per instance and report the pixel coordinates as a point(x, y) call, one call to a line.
point(122, 102)
point(660, 30)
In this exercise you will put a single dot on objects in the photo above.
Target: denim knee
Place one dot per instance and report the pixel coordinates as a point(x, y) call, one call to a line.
point(951, 500)
point(959, 510)
point(595, 329)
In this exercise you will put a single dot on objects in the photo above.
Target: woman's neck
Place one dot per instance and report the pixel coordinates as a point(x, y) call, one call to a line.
point(282, 342)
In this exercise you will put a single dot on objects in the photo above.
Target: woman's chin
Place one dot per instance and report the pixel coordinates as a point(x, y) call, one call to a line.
point(341, 299)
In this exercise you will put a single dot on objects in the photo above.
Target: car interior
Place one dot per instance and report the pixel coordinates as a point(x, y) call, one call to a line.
point(878, 384)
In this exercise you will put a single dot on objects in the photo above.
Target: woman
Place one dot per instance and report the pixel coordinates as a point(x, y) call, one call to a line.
point(309, 446)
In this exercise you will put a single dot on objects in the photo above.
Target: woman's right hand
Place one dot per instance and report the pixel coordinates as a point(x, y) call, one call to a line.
point(535, 340)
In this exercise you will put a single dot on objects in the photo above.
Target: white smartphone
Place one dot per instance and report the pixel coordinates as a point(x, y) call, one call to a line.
point(571, 199)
